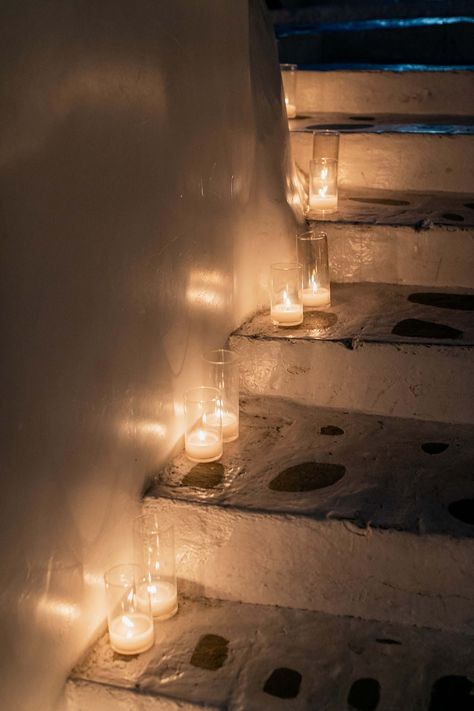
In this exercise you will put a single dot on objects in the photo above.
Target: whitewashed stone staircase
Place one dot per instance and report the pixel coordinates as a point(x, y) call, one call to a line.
point(327, 562)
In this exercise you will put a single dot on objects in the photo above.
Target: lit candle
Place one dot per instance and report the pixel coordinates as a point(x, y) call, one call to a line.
point(287, 313)
point(163, 598)
point(322, 201)
point(290, 108)
point(316, 295)
point(230, 424)
point(131, 633)
point(203, 445)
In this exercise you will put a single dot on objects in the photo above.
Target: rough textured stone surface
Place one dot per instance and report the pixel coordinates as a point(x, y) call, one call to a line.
point(379, 542)
point(350, 357)
point(277, 655)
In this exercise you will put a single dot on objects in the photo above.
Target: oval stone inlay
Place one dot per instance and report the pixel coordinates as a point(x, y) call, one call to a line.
point(416, 328)
point(204, 475)
point(452, 693)
point(463, 510)
point(434, 447)
point(364, 695)
point(456, 302)
point(387, 640)
point(307, 476)
point(284, 683)
point(453, 216)
point(380, 201)
point(470, 205)
point(331, 430)
point(362, 118)
point(210, 652)
point(340, 126)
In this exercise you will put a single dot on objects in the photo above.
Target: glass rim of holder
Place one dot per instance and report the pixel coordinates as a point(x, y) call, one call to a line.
point(326, 133)
point(223, 371)
point(157, 548)
point(312, 246)
point(120, 580)
point(192, 400)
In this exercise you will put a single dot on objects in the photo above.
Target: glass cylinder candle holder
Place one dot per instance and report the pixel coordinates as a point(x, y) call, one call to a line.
point(288, 75)
point(129, 616)
point(326, 144)
point(223, 374)
point(323, 186)
point(312, 254)
point(203, 415)
point(154, 543)
point(286, 298)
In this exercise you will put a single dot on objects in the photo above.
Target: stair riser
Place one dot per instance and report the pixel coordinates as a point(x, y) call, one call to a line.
point(440, 256)
point(89, 696)
point(397, 161)
point(429, 382)
point(327, 565)
point(368, 92)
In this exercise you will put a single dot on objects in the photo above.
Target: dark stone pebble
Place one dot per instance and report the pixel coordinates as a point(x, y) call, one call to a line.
point(210, 652)
point(204, 476)
point(434, 447)
point(307, 476)
point(331, 430)
point(364, 695)
point(453, 216)
point(455, 302)
point(452, 693)
point(284, 683)
point(463, 510)
point(416, 328)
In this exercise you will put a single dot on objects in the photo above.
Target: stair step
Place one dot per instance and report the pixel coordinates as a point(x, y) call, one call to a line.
point(435, 160)
point(361, 94)
point(227, 655)
point(375, 350)
point(370, 532)
point(402, 238)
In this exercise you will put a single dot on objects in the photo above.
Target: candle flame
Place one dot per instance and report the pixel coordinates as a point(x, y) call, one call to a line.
point(323, 190)
point(314, 284)
point(324, 173)
point(286, 299)
point(127, 621)
point(201, 435)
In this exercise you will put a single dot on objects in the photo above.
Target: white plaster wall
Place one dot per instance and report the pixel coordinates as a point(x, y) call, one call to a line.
point(143, 175)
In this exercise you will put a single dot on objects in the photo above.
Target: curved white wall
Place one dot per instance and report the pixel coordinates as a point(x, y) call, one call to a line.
point(142, 174)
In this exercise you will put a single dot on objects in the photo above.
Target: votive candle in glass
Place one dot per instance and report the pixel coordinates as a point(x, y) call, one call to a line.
point(203, 434)
point(129, 617)
point(312, 254)
point(154, 541)
point(286, 296)
point(223, 374)
point(323, 186)
point(288, 75)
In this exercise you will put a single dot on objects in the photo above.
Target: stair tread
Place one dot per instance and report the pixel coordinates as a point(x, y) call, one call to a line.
point(369, 312)
point(217, 654)
point(438, 124)
point(395, 473)
point(421, 210)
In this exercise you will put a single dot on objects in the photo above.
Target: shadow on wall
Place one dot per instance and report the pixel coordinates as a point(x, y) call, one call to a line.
point(136, 179)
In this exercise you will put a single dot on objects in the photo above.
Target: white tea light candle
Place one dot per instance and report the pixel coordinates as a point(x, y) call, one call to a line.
point(286, 303)
point(132, 633)
point(163, 598)
point(203, 435)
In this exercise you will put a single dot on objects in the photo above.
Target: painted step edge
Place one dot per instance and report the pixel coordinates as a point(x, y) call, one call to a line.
point(368, 92)
point(397, 161)
point(441, 256)
point(328, 566)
